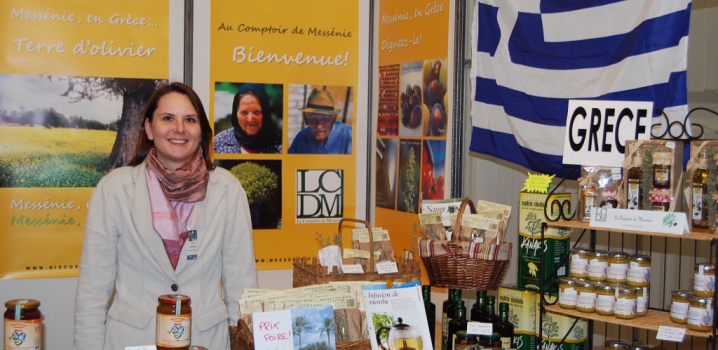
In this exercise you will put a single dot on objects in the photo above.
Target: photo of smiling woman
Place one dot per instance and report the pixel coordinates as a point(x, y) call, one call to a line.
point(255, 122)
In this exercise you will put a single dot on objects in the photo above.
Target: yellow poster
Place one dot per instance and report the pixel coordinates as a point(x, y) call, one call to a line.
point(283, 87)
point(74, 76)
point(413, 113)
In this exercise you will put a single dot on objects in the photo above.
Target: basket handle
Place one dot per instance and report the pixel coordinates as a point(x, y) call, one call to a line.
point(457, 224)
point(371, 237)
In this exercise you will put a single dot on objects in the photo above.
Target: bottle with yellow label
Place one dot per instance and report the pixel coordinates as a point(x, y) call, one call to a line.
point(635, 176)
point(699, 192)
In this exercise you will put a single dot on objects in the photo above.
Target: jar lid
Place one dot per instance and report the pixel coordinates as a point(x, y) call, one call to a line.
point(616, 344)
point(705, 267)
point(567, 280)
point(682, 293)
point(701, 300)
point(640, 290)
point(641, 258)
point(625, 290)
point(25, 304)
point(605, 287)
point(618, 255)
point(465, 336)
point(636, 346)
point(600, 253)
point(493, 336)
point(588, 285)
point(172, 298)
point(580, 251)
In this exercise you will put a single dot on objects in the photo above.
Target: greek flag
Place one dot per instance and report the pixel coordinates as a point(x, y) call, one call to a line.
point(532, 56)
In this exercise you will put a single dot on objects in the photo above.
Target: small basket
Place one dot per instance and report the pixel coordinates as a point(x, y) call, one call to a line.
point(307, 271)
point(458, 270)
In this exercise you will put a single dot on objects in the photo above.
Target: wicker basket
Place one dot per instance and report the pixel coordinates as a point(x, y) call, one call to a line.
point(307, 271)
point(460, 271)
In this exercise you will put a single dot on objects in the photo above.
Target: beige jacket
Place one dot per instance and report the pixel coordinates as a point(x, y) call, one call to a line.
point(121, 252)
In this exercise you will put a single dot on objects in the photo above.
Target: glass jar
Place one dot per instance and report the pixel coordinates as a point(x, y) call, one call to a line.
point(625, 307)
point(642, 299)
point(616, 344)
point(617, 267)
point(490, 342)
point(605, 298)
point(662, 169)
point(704, 278)
point(174, 322)
point(567, 293)
point(680, 301)
point(464, 340)
point(598, 266)
point(700, 314)
point(579, 263)
point(23, 324)
point(586, 297)
point(639, 271)
point(638, 346)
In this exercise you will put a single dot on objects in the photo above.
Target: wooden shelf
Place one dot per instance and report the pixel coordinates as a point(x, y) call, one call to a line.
point(698, 235)
point(651, 321)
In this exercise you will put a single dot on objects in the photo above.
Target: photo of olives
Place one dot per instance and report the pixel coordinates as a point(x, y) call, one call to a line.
point(434, 86)
point(412, 111)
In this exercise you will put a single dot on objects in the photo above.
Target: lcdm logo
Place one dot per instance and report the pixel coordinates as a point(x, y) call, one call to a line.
point(320, 196)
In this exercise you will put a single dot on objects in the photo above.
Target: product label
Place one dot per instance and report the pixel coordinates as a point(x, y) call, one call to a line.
point(703, 283)
point(589, 205)
point(173, 330)
point(634, 193)
point(578, 266)
point(604, 303)
point(617, 271)
point(586, 300)
point(625, 306)
point(597, 269)
point(697, 202)
point(642, 302)
point(662, 176)
point(567, 296)
point(638, 274)
point(679, 310)
point(700, 317)
point(506, 342)
point(23, 334)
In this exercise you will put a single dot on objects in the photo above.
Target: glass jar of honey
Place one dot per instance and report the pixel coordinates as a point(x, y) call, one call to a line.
point(680, 301)
point(605, 298)
point(579, 263)
point(625, 307)
point(465, 341)
point(586, 297)
point(23, 324)
point(598, 266)
point(617, 267)
point(639, 271)
point(700, 314)
point(704, 278)
point(174, 322)
point(642, 299)
point(567, 293)
point(662, 169)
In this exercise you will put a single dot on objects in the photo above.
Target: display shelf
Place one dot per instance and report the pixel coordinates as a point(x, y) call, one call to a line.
point(651, 321)
point(698, 235)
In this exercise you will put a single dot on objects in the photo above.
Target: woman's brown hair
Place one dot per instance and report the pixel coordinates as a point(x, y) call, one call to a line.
point(144, 144)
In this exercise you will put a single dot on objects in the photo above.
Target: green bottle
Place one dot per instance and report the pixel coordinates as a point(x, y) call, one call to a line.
point(448, 313)
point(478, 307)
point(458, 322)
point(504, 327)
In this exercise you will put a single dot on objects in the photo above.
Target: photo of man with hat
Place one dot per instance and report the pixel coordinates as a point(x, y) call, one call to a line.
point(323, 134)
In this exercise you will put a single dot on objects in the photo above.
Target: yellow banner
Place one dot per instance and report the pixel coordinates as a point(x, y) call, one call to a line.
point(73, 74)
point(413, 114)
point(304, 56)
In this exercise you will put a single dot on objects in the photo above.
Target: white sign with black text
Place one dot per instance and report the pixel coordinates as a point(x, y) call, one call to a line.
point(596, 131)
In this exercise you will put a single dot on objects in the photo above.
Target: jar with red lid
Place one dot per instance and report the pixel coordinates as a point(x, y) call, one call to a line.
point(174, 322)
point(23, 324)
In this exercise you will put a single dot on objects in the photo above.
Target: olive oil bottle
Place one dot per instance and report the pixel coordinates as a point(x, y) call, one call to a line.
point(635, 175)
point(699, 189)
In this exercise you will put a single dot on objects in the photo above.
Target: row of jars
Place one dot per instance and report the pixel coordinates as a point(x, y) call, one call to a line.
point(608, 299)
point(696, 312)
point(613, 267)
point(616, 344)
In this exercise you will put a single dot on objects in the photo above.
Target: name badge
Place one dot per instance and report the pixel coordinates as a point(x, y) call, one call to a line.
point(193, 243)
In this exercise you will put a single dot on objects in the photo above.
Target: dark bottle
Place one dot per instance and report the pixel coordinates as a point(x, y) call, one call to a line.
point(635, 176)
point(700, 192)
point(448, 313)
point(489, 316)
point(504, 327)
point(458, 322)
point(478, 307)
point(430, 312)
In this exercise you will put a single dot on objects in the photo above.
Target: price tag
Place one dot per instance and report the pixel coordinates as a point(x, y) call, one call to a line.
point(386, 267)
point(479, 328)
point(352, 269)
point(671, 334)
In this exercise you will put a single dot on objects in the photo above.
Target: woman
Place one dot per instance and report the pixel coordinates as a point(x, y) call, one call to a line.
point(135, 242)
point(253, 130)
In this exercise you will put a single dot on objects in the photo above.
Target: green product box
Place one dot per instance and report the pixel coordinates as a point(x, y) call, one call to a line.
point(556, 326)
point(522, 313)
point(556, 246)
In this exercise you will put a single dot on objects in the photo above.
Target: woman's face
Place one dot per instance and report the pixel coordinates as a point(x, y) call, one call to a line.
point(249, 114)
point(175, 130)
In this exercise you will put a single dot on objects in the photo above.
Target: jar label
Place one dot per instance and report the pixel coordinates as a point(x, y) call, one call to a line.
point(567, 296)
point(662, 176)
point(578, 266)
point(703, 283)
point(625, 306)
point(700, 317)
point(173, 330)
point(679, 310)
point(586, 300)
point(638, 273)
point(597, 269)
point(604, 303)
point(641, 304)
point(617, 271)
point(23, 334)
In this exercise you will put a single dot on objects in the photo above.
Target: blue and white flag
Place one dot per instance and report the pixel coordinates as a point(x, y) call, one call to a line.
point(532, 56)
